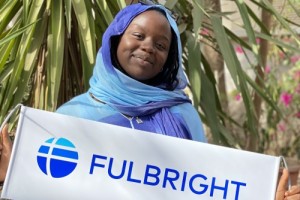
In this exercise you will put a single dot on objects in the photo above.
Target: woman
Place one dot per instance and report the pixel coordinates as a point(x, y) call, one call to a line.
point(138, 77)
point(138, 81)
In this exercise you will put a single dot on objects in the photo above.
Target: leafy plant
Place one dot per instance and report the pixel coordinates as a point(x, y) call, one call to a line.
point(283, 79)
point(48, 50)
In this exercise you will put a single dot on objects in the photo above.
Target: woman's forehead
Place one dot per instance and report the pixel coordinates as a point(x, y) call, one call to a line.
point(151, 19)
point(153, 16)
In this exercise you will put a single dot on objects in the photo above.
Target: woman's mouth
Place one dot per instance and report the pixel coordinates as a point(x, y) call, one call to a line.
point(143, 59)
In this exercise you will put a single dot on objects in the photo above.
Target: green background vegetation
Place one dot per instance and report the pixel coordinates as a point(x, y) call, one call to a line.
point(48, 49)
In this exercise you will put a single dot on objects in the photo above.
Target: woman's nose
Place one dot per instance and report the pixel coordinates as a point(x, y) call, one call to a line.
point(148, 46)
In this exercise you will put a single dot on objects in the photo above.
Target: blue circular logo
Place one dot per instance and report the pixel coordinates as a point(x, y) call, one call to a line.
point(57, 157)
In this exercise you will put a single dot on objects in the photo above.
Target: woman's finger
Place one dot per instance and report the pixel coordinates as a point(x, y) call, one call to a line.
point(293, 197)
point(5, 152)
point(281, 188)
point(6, 142)
point(294, 190)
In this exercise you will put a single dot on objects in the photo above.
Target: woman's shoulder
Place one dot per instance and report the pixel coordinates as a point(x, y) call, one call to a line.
point(192, 120)
point(185, 109)
point(84, 106)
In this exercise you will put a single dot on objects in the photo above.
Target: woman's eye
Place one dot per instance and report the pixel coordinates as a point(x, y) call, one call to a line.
point(161, 46)
point(137, 35)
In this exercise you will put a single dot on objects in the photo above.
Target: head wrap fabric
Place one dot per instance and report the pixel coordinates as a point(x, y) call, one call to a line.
point(131, 97)
point(127, 95)
point(120, 24)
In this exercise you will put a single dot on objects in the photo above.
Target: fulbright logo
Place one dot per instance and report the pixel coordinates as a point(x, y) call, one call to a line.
point(57, 157)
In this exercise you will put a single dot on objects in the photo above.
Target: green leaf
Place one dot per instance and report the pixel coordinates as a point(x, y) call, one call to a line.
point(281, 20)
point(4, 54)
point(20, 58)
point(55, 53)
point(194, 60)
point(108, 16)
point(248, 27)
point(68, 10)
point(121, 3)
point(8, 13)
point(235, 71)
point(85, 26)
point(198, 15)
point(208, 105)
point(15, 34)
point(170, 4)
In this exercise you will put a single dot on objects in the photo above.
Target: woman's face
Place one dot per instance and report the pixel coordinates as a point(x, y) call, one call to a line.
point(143, 48)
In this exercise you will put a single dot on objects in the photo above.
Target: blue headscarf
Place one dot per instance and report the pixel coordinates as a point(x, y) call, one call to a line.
point(123, 93)
point(129, 96)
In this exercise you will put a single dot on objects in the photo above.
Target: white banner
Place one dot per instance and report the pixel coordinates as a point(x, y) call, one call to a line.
point(62, 157)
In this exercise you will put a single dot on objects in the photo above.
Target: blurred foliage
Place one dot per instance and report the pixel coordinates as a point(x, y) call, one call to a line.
point(281, 132)
point(48, 50)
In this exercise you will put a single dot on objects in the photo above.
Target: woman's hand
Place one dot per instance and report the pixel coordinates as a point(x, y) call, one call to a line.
point(281, 193)
point(5, 152)
point(293, 193)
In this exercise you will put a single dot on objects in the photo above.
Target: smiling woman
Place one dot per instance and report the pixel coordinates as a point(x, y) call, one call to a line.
point(138, 81)
point(138, 78)
point(144, 46)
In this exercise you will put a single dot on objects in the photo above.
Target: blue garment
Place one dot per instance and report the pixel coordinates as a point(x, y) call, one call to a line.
point(117, 99)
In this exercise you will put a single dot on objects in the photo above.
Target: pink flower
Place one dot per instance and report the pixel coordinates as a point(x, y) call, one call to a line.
point(281, 127)
point(294, 59)
point(297, 114)
point(281, 55)
point(286, 98)
point(238, 97)
point(298, 89)
point(297, 75)
point(239, 49)
point(257, 40)
point(204, 31)
point(267, 69)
